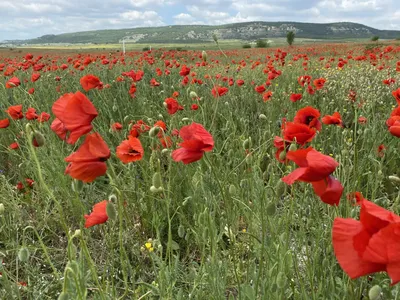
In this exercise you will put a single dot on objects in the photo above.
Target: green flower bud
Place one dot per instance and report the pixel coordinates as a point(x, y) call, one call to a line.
point(375, 292)
point(271, 209)
point(181, 231)
point(232, 190)
point(155, 190)
point(63, 296)
point(247, 143)
point(2, 209)
point(204, 56)
point(193, 95)
point(157, 181)
point(394, 179)
point(111, 211)
point(23, 254)
point(154, 131)
point(293, 147)
point(39, 138)
point(262, 117)
point(281, 280)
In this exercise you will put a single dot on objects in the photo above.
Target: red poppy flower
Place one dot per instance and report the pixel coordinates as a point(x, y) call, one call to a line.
point(396, 95)
point(196, 141)
point(184, 71)
point(299, 132)
point(314, 166)
point(31, 114)
point(130, 150)
point(362, 120)
point(88, 162)
point(295, 97)
point(303, 80)
point(267, 96)
point(194, 107)
point(15, 112)
point(35, 77)
point(31, 91)
point(13, 82)
point(329, 190)
point(219, 91)
point(153, 82)
point(43, 117)
point(89, 82)
point(308, 116)
point(369, 245)
point(335, 119)
point(395, 129)
point(260, 89)
point(98, 215)
point(76, 112)
point(172, 105)
point(4, 123)
point(14, 146)
point(319, 83)
point(116, 126)
point(240, 82)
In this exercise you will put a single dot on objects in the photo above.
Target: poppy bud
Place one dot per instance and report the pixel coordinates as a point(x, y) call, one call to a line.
point(154, 131)
point(111, 212)
point(271, 209)
point(232, 190)
point(280, 188)
point(375, 292)
point(164, 151)
point(281, 280)
point(394, 179)
point(293, 147)
point(247, 143)
point(38, 139)
point(249, 159)
point(23, 254)
point(215, 38)
point(126, 119)
point(112, 198)
point(193, 95)
point(77, 233)
point(2, 209)
point(185, 119)
point(262, 117)
point(77, 185)
point(181, 231)
point(155, 190)
point(63, 296)
point(204, 56)
point(157, 181)
point(28, 128)
point(114, 108)
point(282, 156)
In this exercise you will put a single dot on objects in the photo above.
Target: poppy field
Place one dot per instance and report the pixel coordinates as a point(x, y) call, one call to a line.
point(240, 174)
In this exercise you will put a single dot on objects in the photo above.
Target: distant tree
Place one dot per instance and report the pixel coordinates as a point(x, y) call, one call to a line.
point(262, 44)
point(246, 46)
point(290, 37)
point(375, 38)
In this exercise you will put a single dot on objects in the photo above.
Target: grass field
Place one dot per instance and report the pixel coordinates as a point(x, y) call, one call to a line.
point(174, 182)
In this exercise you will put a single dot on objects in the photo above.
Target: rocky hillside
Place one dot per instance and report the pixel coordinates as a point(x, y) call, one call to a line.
point(201, 33)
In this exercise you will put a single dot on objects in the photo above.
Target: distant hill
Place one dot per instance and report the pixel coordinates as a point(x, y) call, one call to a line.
point(203, 33)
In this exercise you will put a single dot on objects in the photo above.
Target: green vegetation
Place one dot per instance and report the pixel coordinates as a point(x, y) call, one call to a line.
point(246, 46)
point(375, 38)
point(189, 34)
point(290, 37)
point(262, 44)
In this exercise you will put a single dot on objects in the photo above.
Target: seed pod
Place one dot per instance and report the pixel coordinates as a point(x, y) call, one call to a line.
point(23, 254)
point(111, 212)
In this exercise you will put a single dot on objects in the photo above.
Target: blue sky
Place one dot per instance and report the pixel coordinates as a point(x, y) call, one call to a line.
point(22, 19)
